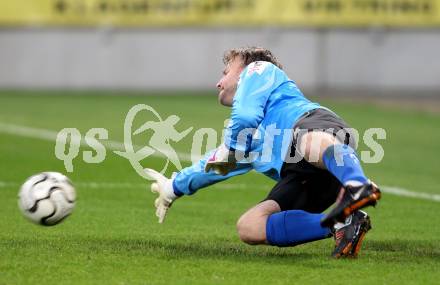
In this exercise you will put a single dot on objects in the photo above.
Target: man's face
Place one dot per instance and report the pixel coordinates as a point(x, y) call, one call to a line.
point(227, 85)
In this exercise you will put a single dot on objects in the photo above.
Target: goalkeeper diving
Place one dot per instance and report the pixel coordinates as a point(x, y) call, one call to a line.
point(316, 168)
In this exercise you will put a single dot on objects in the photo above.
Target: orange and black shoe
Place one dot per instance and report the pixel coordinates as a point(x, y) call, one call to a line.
point(349, 236)
point(351, 199)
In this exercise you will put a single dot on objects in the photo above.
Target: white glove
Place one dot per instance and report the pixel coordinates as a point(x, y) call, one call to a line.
point(164, 187)
point(222, 161)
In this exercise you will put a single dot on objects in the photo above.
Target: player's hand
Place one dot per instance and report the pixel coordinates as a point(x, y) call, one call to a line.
point(164, 187)
point(222, 161)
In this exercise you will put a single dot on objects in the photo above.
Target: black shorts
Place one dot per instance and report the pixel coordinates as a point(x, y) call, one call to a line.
point(302, 185)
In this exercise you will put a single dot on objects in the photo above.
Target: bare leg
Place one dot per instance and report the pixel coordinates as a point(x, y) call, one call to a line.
point(312, 146)
point(251, 226)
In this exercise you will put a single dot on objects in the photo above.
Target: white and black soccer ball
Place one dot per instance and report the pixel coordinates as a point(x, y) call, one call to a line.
point(47, 198)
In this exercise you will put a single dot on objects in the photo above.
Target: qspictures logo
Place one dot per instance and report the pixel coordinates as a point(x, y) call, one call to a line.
point(164, 132)
point(163, 136)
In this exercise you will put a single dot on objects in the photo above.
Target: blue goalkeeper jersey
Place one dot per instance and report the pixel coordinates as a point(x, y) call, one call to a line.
point(266, 106)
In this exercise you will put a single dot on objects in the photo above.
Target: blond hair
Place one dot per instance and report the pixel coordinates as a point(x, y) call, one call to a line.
point(250, 54)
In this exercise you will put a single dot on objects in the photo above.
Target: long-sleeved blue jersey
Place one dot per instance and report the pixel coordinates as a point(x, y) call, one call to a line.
point(266, 106)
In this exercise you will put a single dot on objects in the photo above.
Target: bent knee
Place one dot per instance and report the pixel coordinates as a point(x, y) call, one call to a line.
point(252, 232)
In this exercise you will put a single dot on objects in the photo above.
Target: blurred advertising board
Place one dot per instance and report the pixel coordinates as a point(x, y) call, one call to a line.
point(212, 13)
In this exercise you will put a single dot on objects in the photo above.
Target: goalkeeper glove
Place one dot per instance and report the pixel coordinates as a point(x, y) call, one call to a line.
point(164, 187)
point(222, 161)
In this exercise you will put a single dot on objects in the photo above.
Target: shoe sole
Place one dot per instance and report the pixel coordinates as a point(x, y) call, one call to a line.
point(344, 251)
point(347, 211)
point(354, 253)
point(365, 202)
point(348, 250)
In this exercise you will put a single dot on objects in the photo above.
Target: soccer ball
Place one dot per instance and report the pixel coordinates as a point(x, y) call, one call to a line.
point(47, 198)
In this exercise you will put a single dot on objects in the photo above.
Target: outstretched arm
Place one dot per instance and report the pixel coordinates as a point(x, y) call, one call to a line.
point(193, 178)
point(186, 182)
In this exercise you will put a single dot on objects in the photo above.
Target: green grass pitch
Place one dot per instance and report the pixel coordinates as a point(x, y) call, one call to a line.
point(113, 236)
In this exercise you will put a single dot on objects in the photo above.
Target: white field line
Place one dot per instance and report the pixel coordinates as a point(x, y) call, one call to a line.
point(406, 193)
point(50, 135)
point(127, 185)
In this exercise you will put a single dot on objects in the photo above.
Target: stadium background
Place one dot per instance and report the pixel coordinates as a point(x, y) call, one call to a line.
point(375, 62)
point(330, 45)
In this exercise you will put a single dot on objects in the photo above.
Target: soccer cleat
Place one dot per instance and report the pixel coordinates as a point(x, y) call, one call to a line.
point(349, 237)
point(351, 199)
